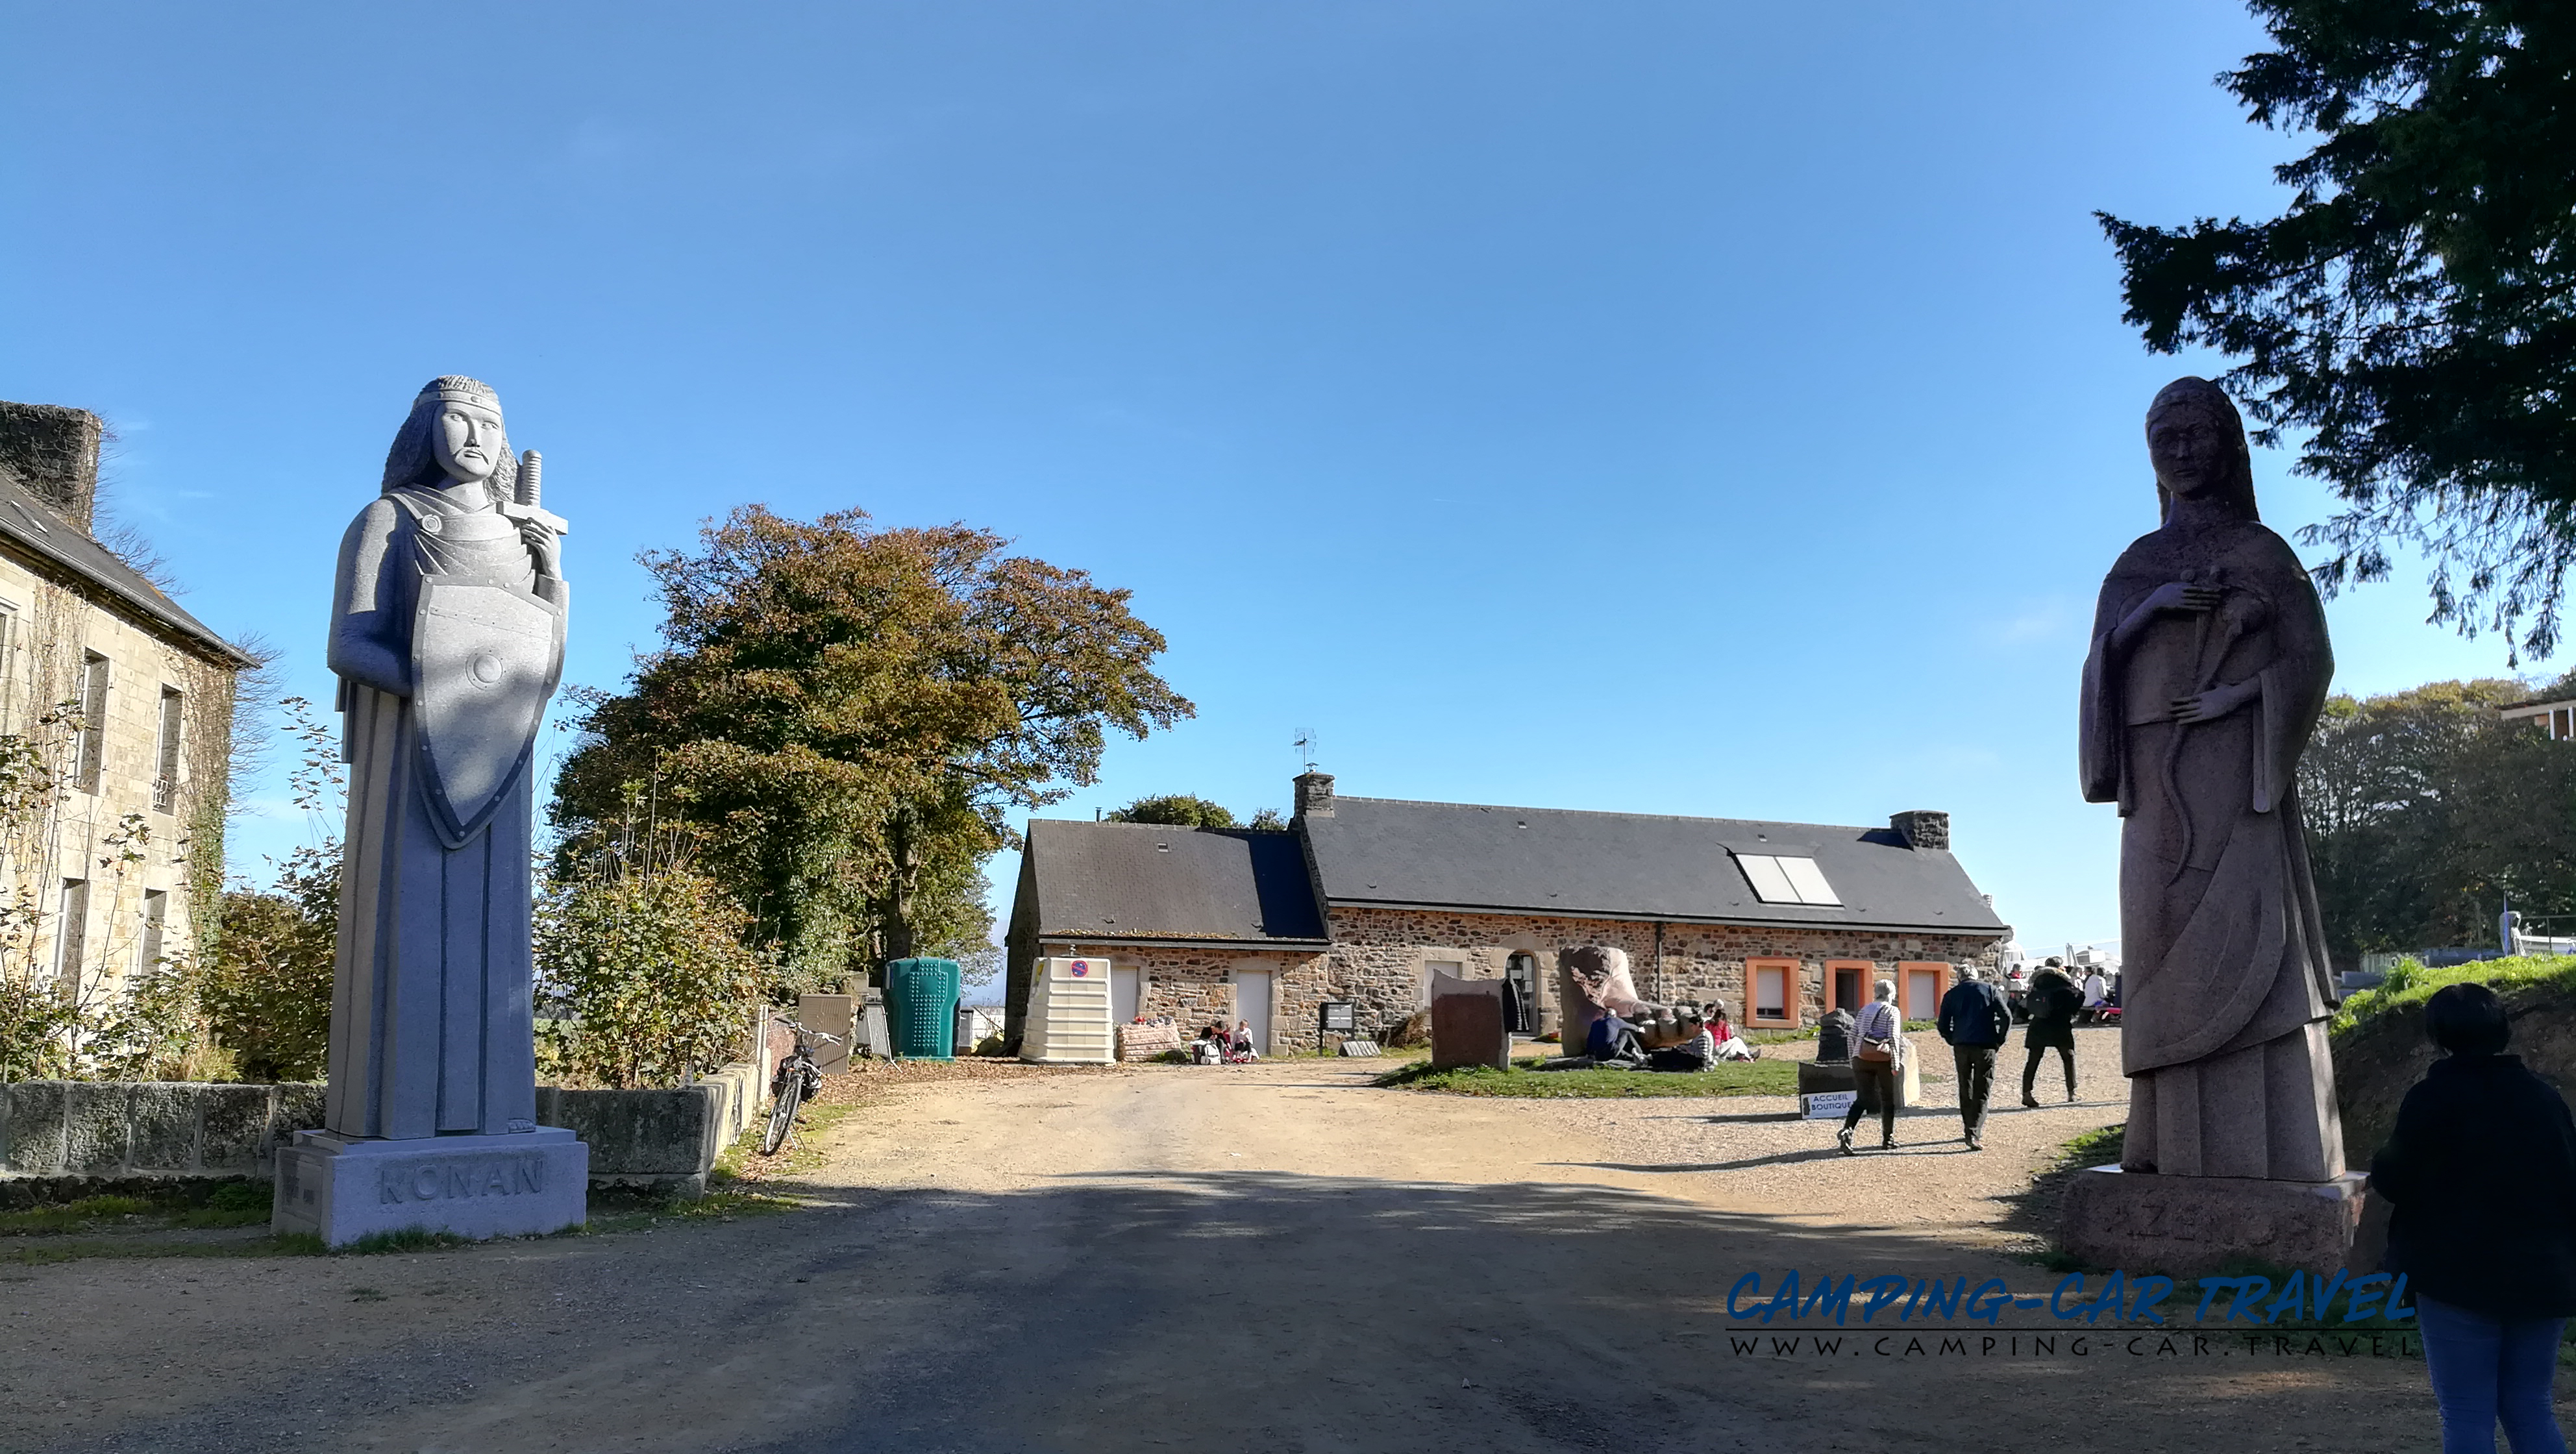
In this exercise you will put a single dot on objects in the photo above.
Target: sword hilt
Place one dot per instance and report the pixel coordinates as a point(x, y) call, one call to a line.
point(531, 489)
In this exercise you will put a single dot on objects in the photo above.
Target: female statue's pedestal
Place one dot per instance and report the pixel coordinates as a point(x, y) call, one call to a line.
point(447, 635)
point(2209, 665)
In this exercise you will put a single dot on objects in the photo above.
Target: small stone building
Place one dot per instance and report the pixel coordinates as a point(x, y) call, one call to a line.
point(124, 700)
point(1362, 899)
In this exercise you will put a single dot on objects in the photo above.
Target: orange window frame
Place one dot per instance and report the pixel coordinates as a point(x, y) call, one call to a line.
point(1906, 969)
point(1868, 976)
point(1788, 970)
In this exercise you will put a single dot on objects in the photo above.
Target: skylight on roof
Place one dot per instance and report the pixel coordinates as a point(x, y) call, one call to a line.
point(1782, 880)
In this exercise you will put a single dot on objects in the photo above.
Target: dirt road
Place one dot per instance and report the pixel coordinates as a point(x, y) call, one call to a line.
point(1272, 1258)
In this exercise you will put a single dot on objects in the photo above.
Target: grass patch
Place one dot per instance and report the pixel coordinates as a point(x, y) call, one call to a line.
point(409, 1239)
point(1727, 1078)
point(2093, 1148)
point(742, 1161)
point(39, 1253)
point(716, 1206)
point(232, 1204)
point(2409, 984)
point(87, 1214)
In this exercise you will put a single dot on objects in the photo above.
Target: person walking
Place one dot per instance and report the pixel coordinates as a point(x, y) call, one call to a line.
point(1878, 1055)
point(2480, 1176)
point(2051, 1003)
point(1977, 1024)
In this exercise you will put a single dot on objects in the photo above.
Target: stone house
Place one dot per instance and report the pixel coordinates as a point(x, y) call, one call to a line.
point(1362, 899)
point(2556, 718)
point(124, 700)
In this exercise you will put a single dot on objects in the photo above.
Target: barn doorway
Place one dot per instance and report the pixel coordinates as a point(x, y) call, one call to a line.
point(1521, 972)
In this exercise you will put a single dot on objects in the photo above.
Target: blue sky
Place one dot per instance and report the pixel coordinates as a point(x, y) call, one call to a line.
point(1693, 408)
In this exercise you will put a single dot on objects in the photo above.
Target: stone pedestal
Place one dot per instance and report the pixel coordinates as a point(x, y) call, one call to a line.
point(1467, 1023)
point(2190, 1226)
point(512, 1185)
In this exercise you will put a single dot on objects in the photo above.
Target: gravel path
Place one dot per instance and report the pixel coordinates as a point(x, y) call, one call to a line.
point(1273, 1258)
point(1751, 1153)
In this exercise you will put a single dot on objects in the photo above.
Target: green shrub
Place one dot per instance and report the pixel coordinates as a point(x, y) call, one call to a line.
point(651, 965)
point(2409, 984)
point(267, 993)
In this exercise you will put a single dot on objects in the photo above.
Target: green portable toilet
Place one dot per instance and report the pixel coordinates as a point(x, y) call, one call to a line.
point(921, 1003)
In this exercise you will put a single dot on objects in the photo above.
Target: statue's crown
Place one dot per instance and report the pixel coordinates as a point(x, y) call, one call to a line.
point(456, 388)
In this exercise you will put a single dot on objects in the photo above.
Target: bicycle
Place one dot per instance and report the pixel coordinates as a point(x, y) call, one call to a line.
point(798, 1080)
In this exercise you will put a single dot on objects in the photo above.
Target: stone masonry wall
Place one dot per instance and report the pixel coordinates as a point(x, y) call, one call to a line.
point(1196, 986)
point(1378, 956)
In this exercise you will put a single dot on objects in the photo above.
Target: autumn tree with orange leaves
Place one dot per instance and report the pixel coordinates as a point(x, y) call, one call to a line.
point(845, 718)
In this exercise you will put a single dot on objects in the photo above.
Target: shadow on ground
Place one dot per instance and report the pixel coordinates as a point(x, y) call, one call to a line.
point(1220, 1311)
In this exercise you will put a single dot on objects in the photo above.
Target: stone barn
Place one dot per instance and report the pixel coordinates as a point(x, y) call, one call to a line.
point(1363, 899)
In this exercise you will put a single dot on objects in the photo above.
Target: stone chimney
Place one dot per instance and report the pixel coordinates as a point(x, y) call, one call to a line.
point(1314, 795)
point(1922, 828)
point(52, 453)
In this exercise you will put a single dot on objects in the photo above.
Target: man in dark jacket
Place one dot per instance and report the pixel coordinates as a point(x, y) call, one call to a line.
point(2052, 1003)
point(2480, 1177)
point(1976, 1022)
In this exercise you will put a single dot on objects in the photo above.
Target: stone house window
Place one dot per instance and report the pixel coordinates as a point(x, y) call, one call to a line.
point(1422, 978)
point(156, 918)
point(89, 749)
point(1849, 983)
point(1783, 879)
point(9, 629)
point(71, 934)
point(1919, 987)
point(1771, 992)
point(165, 753)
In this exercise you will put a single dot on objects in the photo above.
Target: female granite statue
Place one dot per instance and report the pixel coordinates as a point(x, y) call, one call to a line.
point(2208, 668)
point(447, 635)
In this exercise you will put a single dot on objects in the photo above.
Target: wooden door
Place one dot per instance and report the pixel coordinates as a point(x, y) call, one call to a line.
point(1252, 1004)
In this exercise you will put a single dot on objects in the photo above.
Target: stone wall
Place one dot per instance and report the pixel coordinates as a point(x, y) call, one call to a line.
point(1379, 956)
point(63, 1130)
point(1196, 986)
point(157, 1128)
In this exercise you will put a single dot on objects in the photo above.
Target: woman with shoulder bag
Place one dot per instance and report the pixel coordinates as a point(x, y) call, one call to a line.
point(1878, 1053)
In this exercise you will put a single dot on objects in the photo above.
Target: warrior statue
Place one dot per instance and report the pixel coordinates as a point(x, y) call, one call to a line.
point(2209, 666)
point(447, 631)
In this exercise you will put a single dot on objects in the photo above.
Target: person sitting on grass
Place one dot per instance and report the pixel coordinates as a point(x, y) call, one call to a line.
point(1730, 1046)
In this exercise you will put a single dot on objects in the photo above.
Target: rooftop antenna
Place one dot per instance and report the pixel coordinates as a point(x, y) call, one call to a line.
point(1306, 747)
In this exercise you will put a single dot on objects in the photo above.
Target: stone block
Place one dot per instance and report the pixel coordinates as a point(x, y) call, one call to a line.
point(642, 1133)
point(163, 1122)
point(35, 1131)
point(96, 1136)
point(232, 1126)
point(1467, 1024)
point(832, 1015)
point(1824, 1080)
point(513, 1185)
point(299, 1108)
point(2190, 1226)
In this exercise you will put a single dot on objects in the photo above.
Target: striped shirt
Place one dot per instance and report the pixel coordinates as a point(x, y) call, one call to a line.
point(1877, 1021)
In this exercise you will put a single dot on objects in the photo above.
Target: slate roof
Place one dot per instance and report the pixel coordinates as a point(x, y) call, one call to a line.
point(29, 523)
point(1391, 853)
point(1139, 881)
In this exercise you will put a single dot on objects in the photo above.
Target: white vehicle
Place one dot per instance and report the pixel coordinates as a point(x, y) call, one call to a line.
point(2020, 964)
